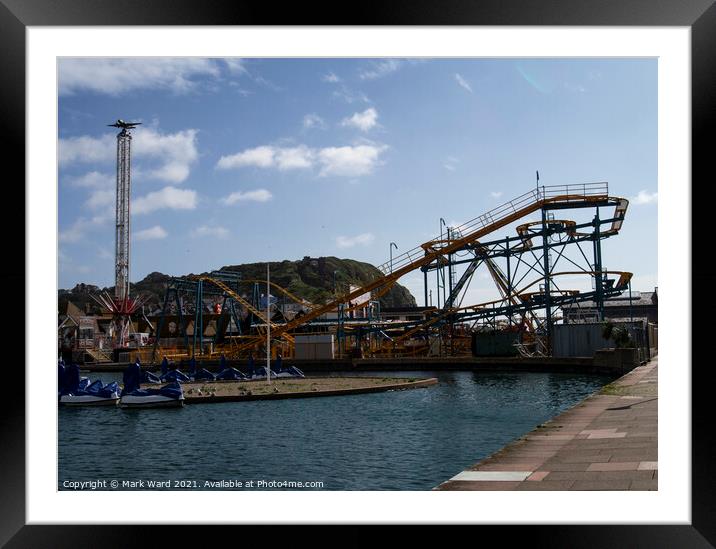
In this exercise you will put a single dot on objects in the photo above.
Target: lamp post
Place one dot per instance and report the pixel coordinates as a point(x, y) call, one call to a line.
point(391, 255)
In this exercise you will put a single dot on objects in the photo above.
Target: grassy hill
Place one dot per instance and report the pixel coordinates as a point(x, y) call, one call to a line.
point(308, 278)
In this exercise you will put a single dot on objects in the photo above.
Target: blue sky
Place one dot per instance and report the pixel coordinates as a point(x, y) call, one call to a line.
point(244, 160)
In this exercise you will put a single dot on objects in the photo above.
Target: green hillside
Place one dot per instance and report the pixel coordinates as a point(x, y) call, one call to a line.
point(309, 278)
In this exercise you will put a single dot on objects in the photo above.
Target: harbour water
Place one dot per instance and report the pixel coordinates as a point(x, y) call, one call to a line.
point(405, 440)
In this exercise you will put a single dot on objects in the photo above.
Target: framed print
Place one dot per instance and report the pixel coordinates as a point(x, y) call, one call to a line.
point(286, 181)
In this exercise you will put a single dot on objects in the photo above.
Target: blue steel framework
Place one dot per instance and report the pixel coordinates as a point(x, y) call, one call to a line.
point(554, 235)
point(549, 235)
point(546, 236)
point(195, 290)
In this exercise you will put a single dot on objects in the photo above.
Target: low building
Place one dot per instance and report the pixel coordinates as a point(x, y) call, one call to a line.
point(642, 306)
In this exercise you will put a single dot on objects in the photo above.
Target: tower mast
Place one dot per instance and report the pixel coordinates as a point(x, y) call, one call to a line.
point(121, 305)
point(121, 248)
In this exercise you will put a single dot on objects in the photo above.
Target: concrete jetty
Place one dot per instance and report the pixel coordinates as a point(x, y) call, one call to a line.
point(607, 442)
point(207, 392)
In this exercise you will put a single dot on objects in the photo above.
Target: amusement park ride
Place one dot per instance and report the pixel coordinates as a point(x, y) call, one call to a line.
point(523, 267)
point(121, 305)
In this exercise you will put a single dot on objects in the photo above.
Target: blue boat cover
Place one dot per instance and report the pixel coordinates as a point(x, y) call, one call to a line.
point(204, 374)
point(260, 373)
point(107, 390)
point(60, 378)
point(175, 375)
point(97, 388)
point(72, 379)
point(94, 387)
point(293, 371)
point(172, 390)
point(230, 374)
point(131, 378)
point(149, 377)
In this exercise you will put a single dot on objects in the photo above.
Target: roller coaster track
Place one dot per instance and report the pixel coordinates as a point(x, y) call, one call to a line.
point(253, 341)
point(573, 195)
point(311, 306)
point(523, 296)
point(283, 290)
point(261, 314)
point(374, 295)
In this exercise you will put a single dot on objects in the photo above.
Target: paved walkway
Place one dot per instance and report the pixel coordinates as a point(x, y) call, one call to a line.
point(607, 442)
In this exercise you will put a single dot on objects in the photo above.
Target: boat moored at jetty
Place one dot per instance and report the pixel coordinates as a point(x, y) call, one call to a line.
point(169, 396)
point(280, 372)
point(133, 396)
point(76, 391)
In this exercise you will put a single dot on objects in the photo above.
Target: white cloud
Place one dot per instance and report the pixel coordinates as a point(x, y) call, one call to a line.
point(258, 195)
point(87, 149)
point(349, 161)
point(294, 158)
point(236, 65)
point(174, 152)
point(261, 157)
point(101, 198)
point(115, 76)
point(363, 121)
point(166, 198)
point(74, 232)
point(205, 230)
point(153, 233)
point(350, 96)
point(101, 187)
point(645, 197)
point(84, 225)
point(312, 120)
point(462, 82)
point(330, 77)
point(93, 180)
point(363, 239)
point(496, 194)
point(379, 69)
point(266, 83)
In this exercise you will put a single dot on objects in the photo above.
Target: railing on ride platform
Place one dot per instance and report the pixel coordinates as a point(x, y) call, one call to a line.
point(566, 193)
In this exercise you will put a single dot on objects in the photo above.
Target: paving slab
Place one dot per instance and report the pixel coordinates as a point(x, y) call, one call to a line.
point(609, 441)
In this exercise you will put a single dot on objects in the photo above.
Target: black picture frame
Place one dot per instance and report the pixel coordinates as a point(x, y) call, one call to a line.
point(699, 15)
